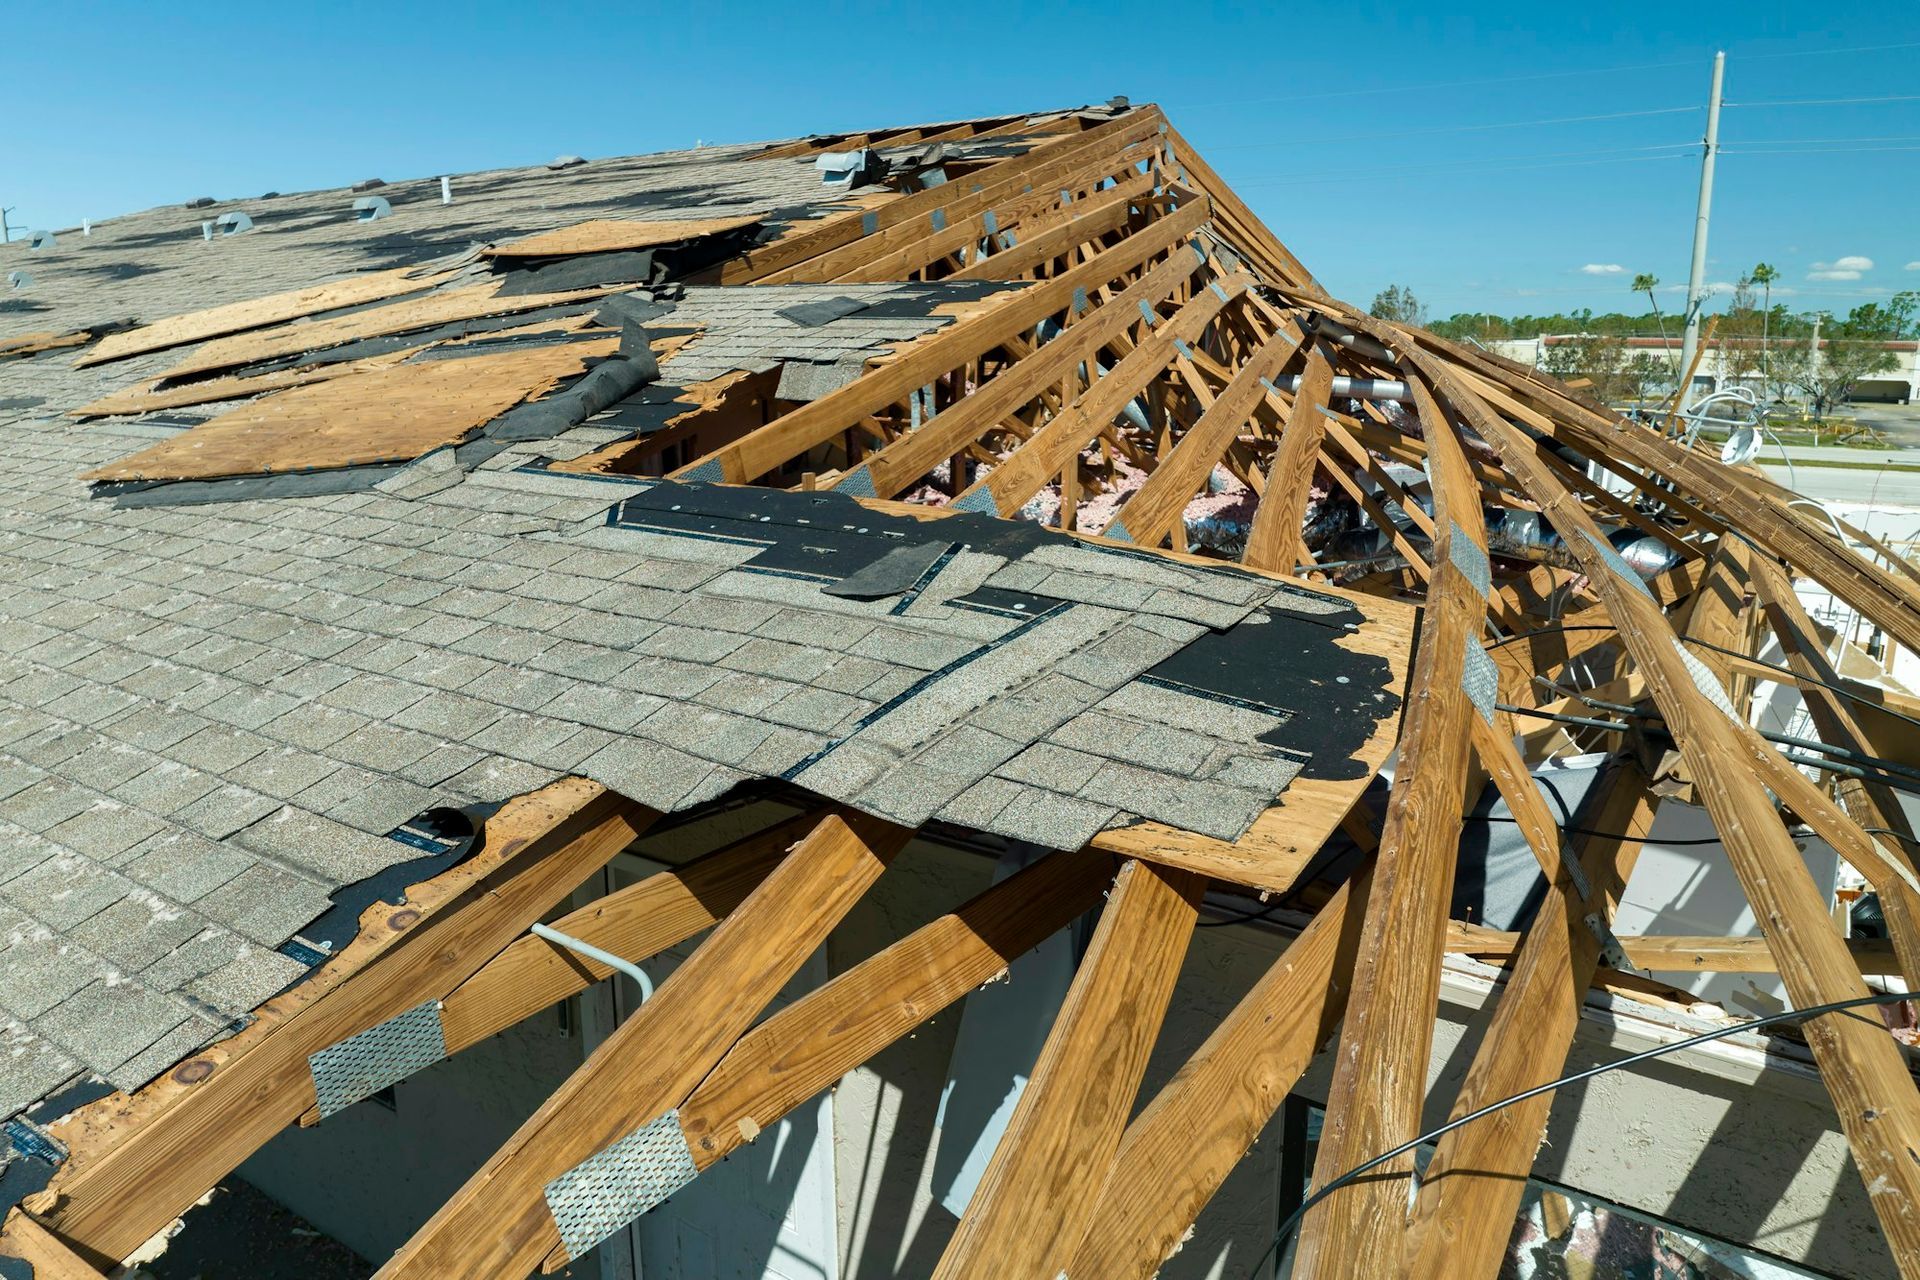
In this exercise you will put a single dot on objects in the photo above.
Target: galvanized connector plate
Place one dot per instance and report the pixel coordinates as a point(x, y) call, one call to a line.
point(360, 1066)
point(612, 1187)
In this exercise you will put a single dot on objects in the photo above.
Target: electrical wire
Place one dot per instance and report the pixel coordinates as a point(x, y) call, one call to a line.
point(1826, 102)
point(1601, 835)
point(1811, 151)
point(1718, 1033)
point(1482, 128)
point(1800, 679)
point(1442, 84)
point(1456, 168)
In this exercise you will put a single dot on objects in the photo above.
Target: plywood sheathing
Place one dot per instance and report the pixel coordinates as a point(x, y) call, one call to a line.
point(608, 235)
point(381, 415)
point(467, 303)
point(256, 313)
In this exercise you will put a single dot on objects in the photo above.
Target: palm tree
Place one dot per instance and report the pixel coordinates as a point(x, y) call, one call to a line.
point(1646, 282)
point(1764, 275)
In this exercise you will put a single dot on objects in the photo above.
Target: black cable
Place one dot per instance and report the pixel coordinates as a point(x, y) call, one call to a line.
point(1602, 835)
point(1718, 1033)
point(1549, 631)
point(1886, 773)
point(1732, 653)
point(1800, 679)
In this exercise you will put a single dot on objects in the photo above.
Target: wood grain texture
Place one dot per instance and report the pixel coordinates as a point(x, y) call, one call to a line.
point(388, 414)
point(1380, 1073)
point(498, 1223)
point(1274, 540)
point(1035, 1198)
point(1179, 1150)
point(1471, 1191)
point(610, 235)
point(817, 1039)
point(257, 313)
point(634, 923)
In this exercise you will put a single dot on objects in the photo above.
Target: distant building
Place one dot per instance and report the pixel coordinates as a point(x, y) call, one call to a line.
point(1899, 385)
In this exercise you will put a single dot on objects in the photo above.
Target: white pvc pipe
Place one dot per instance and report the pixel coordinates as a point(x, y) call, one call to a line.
point(592, 952)
point(446, 190)
point(1353, 388)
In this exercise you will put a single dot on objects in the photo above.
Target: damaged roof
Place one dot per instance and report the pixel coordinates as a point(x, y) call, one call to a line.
point(1004, 473)
point(240, 668)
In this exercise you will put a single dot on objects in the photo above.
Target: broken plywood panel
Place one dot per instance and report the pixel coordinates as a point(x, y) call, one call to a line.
point(235, 317)
point(413, 313)
point(383, 415)
point(606, 235)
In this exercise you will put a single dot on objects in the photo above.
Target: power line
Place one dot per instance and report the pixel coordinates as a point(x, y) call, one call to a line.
point(1481, 128)
point(1810, 151)
point(1454, 167)
point(1886, 137)
point(1815, 53)
point(1439, 84)
point(1432, 1135)
point(1826, 102)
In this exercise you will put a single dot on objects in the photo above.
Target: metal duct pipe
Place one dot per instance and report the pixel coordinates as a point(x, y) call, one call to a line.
point(1135, 410)
point(1357, 343)
point(1353, 388)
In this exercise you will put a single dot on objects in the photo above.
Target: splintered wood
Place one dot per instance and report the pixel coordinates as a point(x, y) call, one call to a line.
point(606, 235)
point(379, 415)
point(1159, 369)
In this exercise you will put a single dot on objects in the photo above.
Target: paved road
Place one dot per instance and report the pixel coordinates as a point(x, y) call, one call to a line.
point(1869, 485)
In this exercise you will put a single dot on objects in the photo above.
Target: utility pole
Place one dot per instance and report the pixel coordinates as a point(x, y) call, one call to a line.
point(1690, 336)
point(6, 232)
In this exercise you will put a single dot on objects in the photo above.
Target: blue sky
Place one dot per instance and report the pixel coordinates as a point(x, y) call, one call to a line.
point(1449, 148)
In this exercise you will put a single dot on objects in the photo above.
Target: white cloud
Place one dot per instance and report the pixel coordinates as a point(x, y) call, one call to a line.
point(1847, 268)
point(1913, 266)
point(1613, 269)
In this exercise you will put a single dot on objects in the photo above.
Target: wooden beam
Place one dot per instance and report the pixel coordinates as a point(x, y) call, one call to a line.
point(633, 923)
point(1036, 1196)
point(932, 356)
point(1035, 463)
point(1685, 953)
point(817, 1039)
point(1380, 1075)
point(45, 1253)
point(1155, 507)
point(1274, 540)
point(1463, 1216)
point(533, 852)
point(1861, 1065)
point(499, 1224)
point(1174, 1157)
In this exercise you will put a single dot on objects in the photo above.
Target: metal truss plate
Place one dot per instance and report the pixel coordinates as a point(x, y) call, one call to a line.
point(360, 1066)
point(612, 1187)
point(1481, 680)
point(1470, 560)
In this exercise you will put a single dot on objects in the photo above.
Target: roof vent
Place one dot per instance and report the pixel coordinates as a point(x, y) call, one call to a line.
point(270, 195)
point(368, 208)
point(369, 184)
point(18, 280)
point(849, 169)
point(40, 240)
point(229, 224)
point(567, 162)
point(1118, 102)
point(199, 202)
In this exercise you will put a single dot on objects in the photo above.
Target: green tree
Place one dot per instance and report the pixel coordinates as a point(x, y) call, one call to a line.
point(1396, 302)
point(1646, 282)
point(1849, 350)
point(1764, 274)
